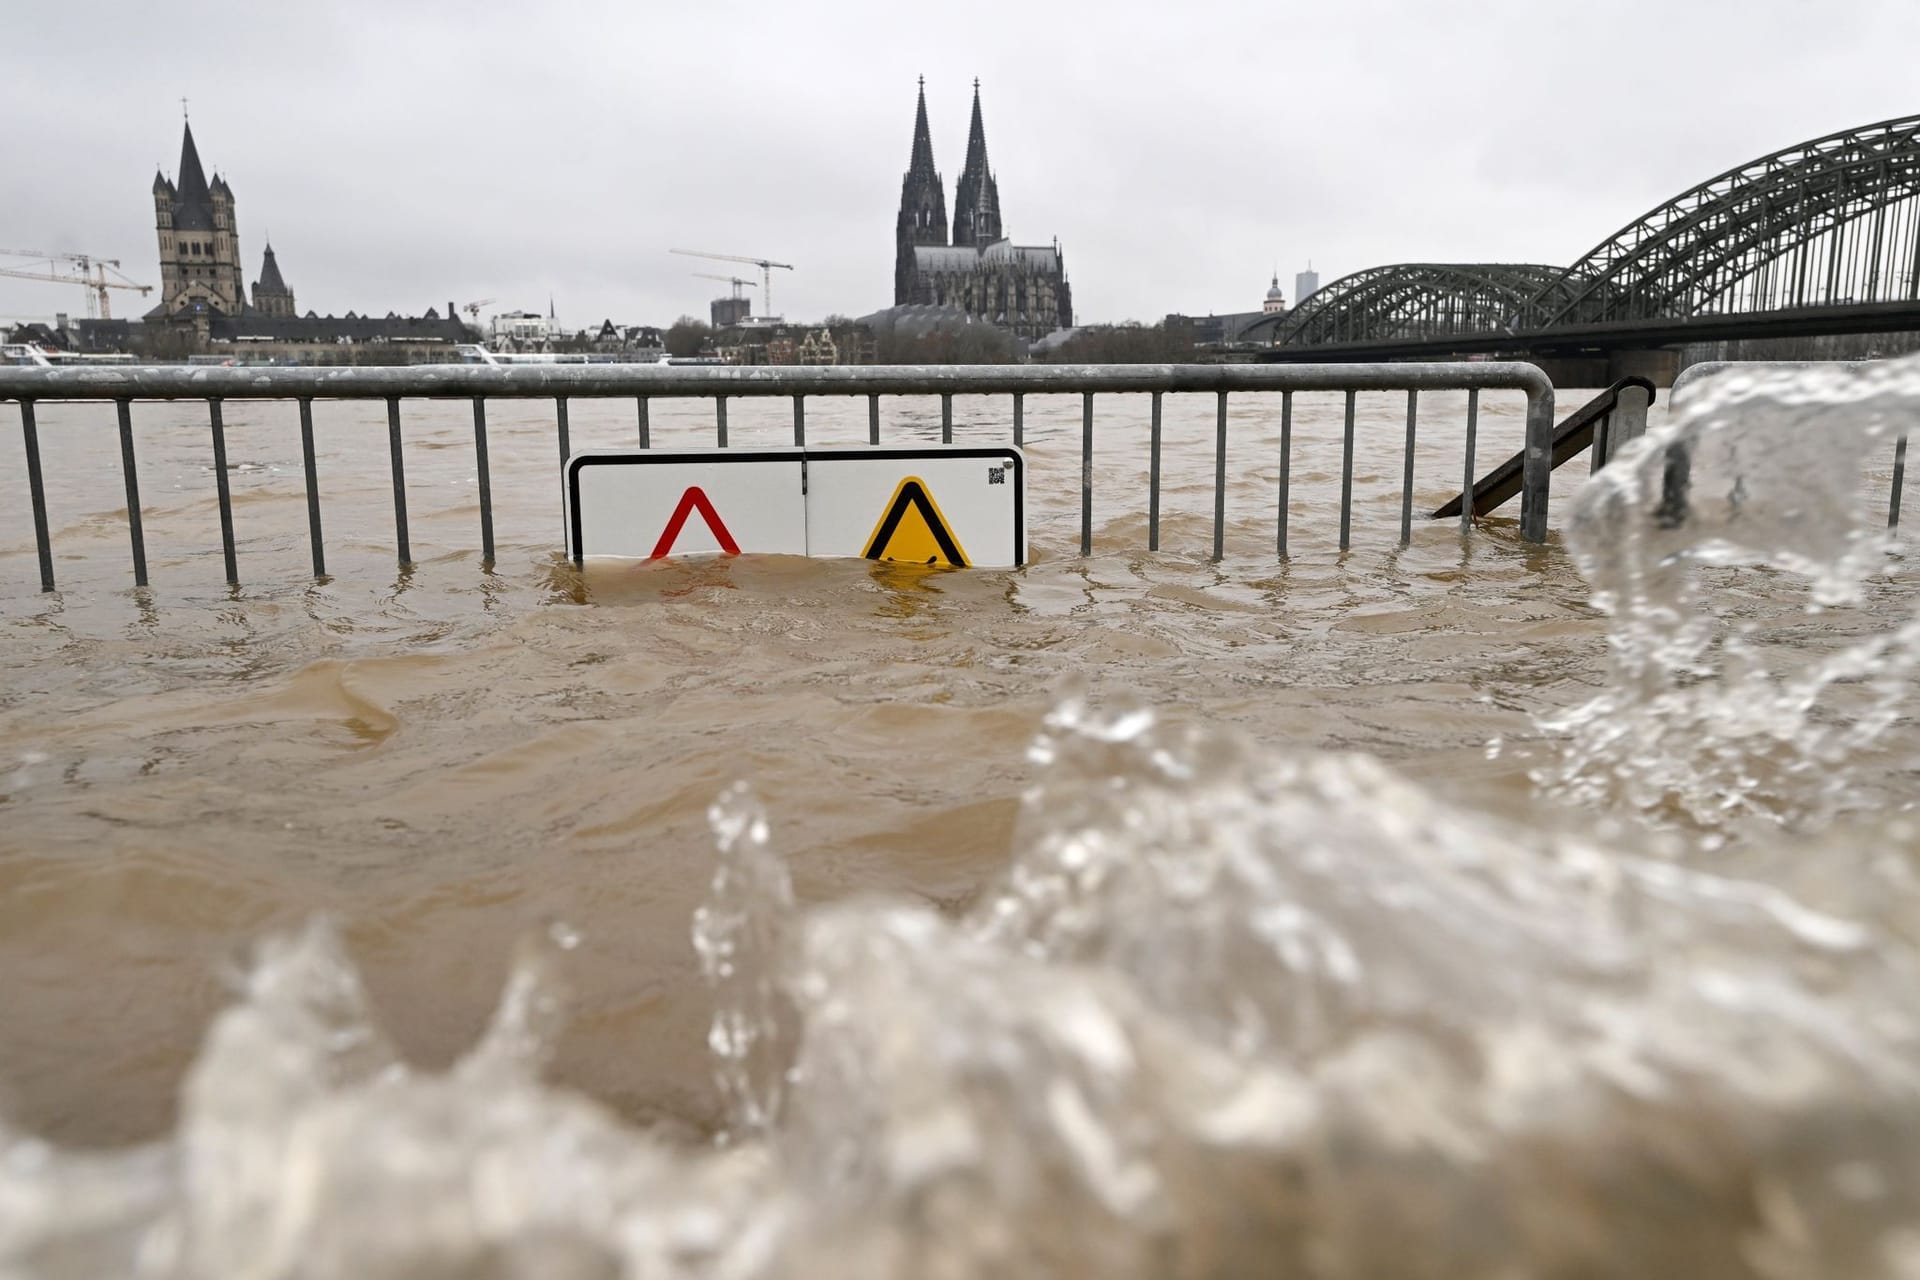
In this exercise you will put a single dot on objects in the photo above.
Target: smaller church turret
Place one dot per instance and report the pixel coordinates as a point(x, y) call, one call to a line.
point(271, 296)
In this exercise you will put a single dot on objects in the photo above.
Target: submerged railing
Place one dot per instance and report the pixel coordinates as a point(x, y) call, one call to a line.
point(122, 386)
point(1611, 420)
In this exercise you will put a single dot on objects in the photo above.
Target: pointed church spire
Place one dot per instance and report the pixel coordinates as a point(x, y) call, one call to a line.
point(923, 205)
point(976, 135)
point(193, 206)
point(976, 211)
point(922, 162)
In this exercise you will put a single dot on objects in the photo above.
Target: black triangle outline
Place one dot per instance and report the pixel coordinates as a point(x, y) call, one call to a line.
point(913, 492)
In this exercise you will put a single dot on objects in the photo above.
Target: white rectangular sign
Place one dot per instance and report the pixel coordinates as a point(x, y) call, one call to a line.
point(957, 505)
point(950, 504)
point(654, 503)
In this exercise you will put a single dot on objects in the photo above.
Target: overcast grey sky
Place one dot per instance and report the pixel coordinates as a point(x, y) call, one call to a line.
point(402, 155)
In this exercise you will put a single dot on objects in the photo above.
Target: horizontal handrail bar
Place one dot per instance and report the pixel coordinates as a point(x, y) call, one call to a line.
point(104, 383)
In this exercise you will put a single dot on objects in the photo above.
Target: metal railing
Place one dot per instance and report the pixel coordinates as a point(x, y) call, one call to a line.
point(1707, 368)
point(122, 386)
point(1611, 420)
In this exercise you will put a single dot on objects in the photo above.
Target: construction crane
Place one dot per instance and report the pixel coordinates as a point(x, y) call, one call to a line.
point(766, 271)
point(85, 270)
point(473, 308)
point(737, 283)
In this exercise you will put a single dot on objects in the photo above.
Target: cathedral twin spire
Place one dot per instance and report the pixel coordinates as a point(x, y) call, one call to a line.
point(1022, 290)
point(976, 209)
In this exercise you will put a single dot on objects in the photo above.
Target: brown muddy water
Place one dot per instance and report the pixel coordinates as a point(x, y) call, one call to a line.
point(448, 760)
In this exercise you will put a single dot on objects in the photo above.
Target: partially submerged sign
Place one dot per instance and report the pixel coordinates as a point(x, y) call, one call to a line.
point(716, 500)
point(954, 505)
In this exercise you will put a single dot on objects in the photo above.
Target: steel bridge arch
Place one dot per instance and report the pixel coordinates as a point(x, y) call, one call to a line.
point(1415, 300)
point(1831, 221)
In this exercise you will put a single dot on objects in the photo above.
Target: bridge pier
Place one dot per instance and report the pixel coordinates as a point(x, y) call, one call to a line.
point(1660, 366)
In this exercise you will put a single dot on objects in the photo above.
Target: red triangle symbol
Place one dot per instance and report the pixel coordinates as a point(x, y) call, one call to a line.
point(695, 498)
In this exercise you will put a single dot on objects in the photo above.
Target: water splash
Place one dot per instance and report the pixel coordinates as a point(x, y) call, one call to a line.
point(1713, 714)
point(1228, 1013)
point(738, 934)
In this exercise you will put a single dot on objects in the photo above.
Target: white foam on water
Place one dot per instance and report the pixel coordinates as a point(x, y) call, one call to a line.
point(1705, 718)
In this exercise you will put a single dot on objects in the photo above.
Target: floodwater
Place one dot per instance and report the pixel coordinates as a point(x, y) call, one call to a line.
point(992, 938)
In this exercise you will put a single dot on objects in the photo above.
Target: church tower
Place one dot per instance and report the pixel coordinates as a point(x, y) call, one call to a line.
point(199, 241)
point(976, 206)
point(271, 296)
point(923, 205)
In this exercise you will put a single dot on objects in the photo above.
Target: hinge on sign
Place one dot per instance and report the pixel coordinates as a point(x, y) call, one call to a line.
point(803, 477)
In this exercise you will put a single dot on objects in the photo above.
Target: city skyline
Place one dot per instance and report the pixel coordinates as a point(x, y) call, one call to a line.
point(477, 154)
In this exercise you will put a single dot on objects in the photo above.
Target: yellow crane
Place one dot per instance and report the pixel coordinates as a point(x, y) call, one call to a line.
point(766, 271)
point(83, 269)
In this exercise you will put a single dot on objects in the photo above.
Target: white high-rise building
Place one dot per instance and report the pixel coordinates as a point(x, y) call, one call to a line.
point(1304, 283)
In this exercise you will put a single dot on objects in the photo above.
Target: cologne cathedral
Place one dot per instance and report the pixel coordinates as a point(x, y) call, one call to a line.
point(1020, 288)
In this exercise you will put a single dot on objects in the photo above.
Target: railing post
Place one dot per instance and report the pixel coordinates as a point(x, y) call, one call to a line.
point(1286, 468)
point(220, 485)
point(1406, 475)
point(1466, 481)
point(946, 417)
point(645, 423)
point(720, 420)
point(399, 469)
point(799, 421)
point(1220, 479)
point(36, 491)
point(1086, 473)
point(1536, 468)
point(1628, 421)
point(873, 419)
point(1346, 479)
point(1019, 420)
point(485, 478)
point(566, 447)
point(1153, 479)
point(134, 531)
point(313, 486)
point(1899, 477)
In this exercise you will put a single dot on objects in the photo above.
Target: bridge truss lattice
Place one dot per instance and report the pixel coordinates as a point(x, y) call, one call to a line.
point(1832, 222)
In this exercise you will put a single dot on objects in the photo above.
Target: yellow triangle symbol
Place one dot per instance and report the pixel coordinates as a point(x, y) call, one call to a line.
point(912, 530)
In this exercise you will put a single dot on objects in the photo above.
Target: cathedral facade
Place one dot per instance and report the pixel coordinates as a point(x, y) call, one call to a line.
point(1020, 288)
